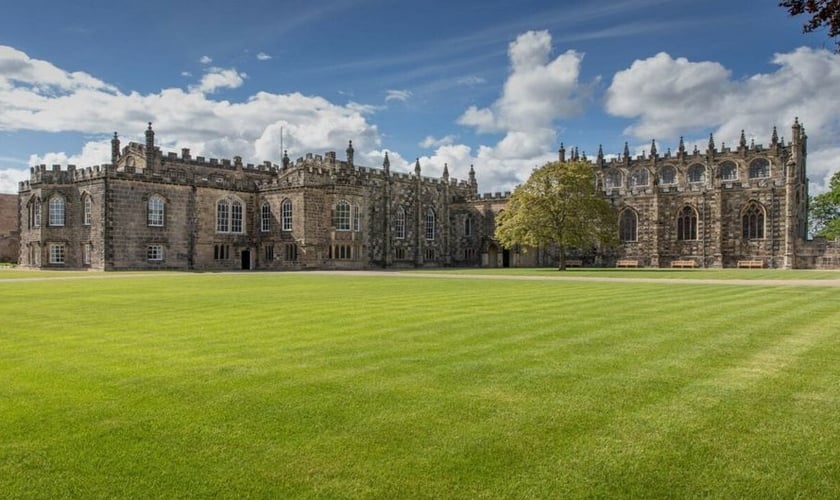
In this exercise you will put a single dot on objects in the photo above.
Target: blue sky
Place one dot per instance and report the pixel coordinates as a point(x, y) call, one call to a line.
point(497, 84)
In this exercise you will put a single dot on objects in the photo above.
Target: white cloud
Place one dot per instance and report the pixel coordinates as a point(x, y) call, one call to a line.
point(205, 60)
point(219, 78)
point(10, 177)
point(668, 97)
point(471, 81)
point(397, 95)
point(262, 56)
point(431, 142)
point(186, 73)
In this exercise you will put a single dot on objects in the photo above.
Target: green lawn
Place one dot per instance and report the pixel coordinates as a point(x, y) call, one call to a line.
point(284, 385)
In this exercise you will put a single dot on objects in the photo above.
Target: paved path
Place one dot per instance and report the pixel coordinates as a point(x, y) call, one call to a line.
point(831, 283)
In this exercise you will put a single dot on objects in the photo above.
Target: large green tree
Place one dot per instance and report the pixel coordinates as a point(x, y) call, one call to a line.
point(824, 210)
point(824, 13)
point(559, 205)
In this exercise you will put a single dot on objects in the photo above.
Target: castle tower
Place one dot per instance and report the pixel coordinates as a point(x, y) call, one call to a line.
point(150, 146)
point(115, 149)
point(349, 152)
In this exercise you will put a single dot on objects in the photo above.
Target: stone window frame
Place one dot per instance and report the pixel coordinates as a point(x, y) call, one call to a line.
point(229, 215)
point(672, 170)
point(357, 218)
point(729, 167)
point(687, 224)
point(154, 252)
point(613, 179)
point(265, 217)
point(87, 250)
point(35, 213)
point(759, 168)
point(286, 213)
point(342, 216)
point(156, 211)
point(628, 225)
point(692, 173)
point(399, 223)
point(431, 220)
point(291, 250)
point(753, 219)
point(57, 210)
point(87, 210)
point(468, 225)
point(268, 252)
point(57, 253)
point(636, 177)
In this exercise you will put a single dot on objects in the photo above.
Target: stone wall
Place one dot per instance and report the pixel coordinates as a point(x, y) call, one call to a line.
point(9, 233)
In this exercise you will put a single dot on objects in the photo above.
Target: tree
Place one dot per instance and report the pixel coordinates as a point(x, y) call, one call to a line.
point(824, 210)
point(824, 13)
point(559, 205)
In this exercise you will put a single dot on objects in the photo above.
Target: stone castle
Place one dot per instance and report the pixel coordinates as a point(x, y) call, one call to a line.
point(150, 210)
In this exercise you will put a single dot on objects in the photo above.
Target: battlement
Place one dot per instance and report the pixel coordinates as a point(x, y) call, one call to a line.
point(493, 196)
point(57, 174)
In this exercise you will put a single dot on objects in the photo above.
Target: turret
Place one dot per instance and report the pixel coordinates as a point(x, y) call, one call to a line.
point(681, 148)
point(349, 152)
point(446, 173)
point(115, 149)
point(710, 149)
point(774, 139)
point(286, 159)
point(150, 145)
point(417, 167)
point(561, 153)
point(653, 148)
point(473, 182)
point(386, 164)
point(742, 144)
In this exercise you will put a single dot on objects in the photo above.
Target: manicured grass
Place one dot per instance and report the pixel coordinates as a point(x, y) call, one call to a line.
point(721, 274)
point(304, 385)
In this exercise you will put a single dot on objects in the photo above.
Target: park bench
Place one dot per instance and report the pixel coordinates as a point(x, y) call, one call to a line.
point(627, 263)
point(750, 264)
point(683, 263)
point(574, 263)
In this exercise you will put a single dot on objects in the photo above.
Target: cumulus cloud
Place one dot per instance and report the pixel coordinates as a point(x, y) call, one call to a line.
point(9, 179)
point(219, 78)
point(262, 56)
point(205, 60)
point(668, 97)
point(397, 95)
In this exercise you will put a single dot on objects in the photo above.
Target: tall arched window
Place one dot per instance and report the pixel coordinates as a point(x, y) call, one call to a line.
point(430, 224)
point(265, 219)
point(759, 168)
point(357, 218)
point(696, 173)
point(341, 216)
point(639, 177)
point(687, 224)
point(286, 214)
point(627, 225)
point(154, 213)
point(223, 216)
point(399, 223)
point(235, 216)
point(56, 210)
point(87, 210)
point(468, 225)
point(35, 213)
point(728, 171)
point(752, 222)
point(667, 175)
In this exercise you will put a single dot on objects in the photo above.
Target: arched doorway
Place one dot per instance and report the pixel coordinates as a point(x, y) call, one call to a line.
point(246, 259)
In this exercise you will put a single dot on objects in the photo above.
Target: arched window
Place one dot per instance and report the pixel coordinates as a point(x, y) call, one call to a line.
point(667, 175)
point(468, 225)
point(759, 168)
point(154, 213)
point(696, 173)
point(229, 216)
point(399, 223)
point(430, 224)
point(265, 220)
point(222, 216)
point(35, 213)
point(87, 207)
point(56, 210)
point(639, 177)
point(357, 218)
point(286, 214)
point(687, 224)
point(341, 216)
point(752, 222)
point(728, 171)
point(235, 216)
point(627, 225)
point(612, 179)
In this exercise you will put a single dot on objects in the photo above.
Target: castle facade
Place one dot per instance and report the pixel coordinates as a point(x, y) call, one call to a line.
point(149, 210)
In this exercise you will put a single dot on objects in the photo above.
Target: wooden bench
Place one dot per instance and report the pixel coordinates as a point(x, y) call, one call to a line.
point(683, 263)
point(751, 264)
point(627, 263)
point(574, 263)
